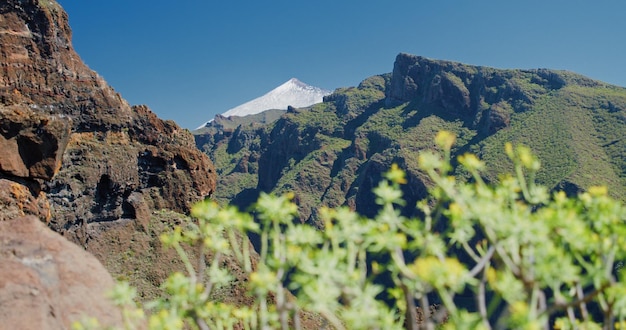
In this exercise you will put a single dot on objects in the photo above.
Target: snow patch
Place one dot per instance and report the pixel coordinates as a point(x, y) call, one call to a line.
point(292, 93)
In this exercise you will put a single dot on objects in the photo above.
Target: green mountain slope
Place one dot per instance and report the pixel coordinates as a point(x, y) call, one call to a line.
point(333, 153)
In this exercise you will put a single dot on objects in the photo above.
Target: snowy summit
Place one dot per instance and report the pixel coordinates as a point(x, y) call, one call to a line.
point(292, 93)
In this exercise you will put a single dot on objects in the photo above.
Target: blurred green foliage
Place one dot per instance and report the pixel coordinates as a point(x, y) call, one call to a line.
point(523, 257)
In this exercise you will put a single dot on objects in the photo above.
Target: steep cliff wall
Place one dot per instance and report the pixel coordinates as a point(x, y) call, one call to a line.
point(77, 156)
point(119, 158)
point(46, 282)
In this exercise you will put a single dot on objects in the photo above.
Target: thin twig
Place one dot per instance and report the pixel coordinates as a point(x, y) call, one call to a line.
point(201, 263)
point(296, 317)
point(471, 252)
point(202, 324)
point(571, 315)
point(481, 264)
point(609, 317)
point(482, 300)
point(214, 264)
point(574, 303)
point(283, 312)
point(411, 309)
point(582, 305)
point(427, 323)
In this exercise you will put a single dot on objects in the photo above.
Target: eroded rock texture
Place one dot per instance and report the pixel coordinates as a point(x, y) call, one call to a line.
point(120, 159)
point(46, 282)
point(77, 156)
point(32, 147)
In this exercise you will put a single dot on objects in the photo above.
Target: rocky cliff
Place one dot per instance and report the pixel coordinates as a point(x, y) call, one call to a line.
point(77, 156)
point(46, 282)
point(120, 159)
point(334, 153)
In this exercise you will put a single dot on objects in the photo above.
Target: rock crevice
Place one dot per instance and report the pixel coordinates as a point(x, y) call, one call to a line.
point(109, 138)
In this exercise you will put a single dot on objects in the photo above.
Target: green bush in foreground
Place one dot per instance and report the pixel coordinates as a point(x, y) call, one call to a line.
point(530, 258)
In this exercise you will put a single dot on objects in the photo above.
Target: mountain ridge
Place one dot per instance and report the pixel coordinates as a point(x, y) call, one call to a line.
point(334, 152)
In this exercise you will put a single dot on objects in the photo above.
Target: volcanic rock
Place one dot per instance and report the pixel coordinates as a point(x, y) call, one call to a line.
point(120, 163)
point(32, 146)
point(32, 143)
point(47, 282)
point(115, 150)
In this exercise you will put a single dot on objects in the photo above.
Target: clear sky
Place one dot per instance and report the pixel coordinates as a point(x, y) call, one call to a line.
point(191, 59)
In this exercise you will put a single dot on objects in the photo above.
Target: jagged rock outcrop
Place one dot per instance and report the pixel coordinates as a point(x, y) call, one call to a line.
point(482, 96)
point(120, 163)
point(32, 143)
point(46, 282)
point(32, 146)
point(116, 151)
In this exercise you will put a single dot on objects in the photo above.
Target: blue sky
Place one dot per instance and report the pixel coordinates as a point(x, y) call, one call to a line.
point(191, 59)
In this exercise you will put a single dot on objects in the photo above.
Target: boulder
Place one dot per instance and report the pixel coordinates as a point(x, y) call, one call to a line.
point(46, 282)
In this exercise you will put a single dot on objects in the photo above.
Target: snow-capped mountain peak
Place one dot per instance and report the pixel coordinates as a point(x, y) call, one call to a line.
point(291, 93)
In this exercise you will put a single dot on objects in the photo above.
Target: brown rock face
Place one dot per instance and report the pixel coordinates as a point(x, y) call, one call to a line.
point(40, 68)
point(17, 199)
point(47, 282)
point(75, 154)
point(32, 143)
point(115, 151)
point(32, 146)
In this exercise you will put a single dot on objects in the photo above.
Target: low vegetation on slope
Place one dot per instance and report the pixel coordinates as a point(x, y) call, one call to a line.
point(510, 255)
point(334, 153)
